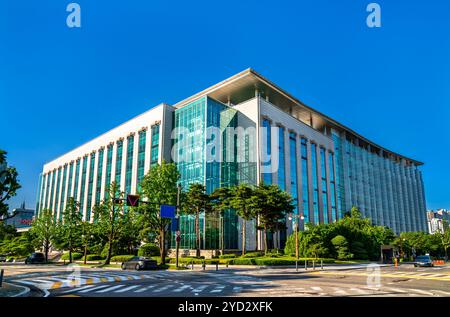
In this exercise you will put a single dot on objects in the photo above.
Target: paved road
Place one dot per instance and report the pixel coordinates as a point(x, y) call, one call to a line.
point(334, 281)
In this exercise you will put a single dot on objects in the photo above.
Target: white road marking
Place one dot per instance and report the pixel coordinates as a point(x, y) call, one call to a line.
point(76, 289)
point(442, 292)
point(182, 288)
point(237, 289)
point(110, 288)
point(316, 288)
point(359, 291)
point(123, 290)
point(413, 290)
point(199, 289)
point(218, 289)
point(340, 291)
point(144, 289)
point(396, 290)
point(93, 288)
point(162, 289)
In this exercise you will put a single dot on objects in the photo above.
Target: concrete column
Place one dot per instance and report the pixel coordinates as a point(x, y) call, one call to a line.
point(134, 169)
point(124, 163)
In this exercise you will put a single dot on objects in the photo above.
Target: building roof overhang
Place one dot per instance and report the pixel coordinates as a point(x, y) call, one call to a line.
point(243, 86)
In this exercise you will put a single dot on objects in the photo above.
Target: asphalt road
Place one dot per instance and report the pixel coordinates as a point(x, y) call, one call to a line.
point(343, 281)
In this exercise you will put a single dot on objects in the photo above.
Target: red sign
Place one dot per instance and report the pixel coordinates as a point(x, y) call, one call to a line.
point(133, 200)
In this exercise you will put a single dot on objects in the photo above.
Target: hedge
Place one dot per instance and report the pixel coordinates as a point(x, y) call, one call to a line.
point(242, 261)
point(227, 256)
point(75, 256)
point(252, 254)
point(94, 257)
point(149, 249)
point(122, 258)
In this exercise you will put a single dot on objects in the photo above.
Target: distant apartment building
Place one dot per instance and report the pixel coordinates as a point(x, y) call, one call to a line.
point(325, 166)
point(437, 220)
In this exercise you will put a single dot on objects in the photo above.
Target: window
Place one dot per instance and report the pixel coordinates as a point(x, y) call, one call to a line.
point(267, 177)
point(77, 174)
point(332, 186)
point(90, 187)
point(119, 161)
point(109, 156)
point(154, 153)
point(315, 183)
point(98, 187)
point(323, 167)
point(281, 166)
point(62, 205)
point(129, 164)
point(83, 183)
point(293, 166)
point(305, 177)
point(141, 158)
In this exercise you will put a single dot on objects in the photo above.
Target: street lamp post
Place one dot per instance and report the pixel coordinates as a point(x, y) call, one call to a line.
point(297, 217)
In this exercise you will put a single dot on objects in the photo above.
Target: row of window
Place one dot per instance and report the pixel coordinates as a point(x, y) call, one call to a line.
point(323, 187)
point(53, 193)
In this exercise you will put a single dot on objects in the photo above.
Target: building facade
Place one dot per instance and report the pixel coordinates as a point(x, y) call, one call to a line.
point(245, 129)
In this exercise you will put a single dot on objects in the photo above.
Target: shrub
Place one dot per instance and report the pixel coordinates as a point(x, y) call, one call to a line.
point(75, 256)
point(253, 254)
point(94, 257)
point(149, 249)
point(242, 261)
point(227, 256)
point(341, 246)
point(274, 261)
point(121, 258)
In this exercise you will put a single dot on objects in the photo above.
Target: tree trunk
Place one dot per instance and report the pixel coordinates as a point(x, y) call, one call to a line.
point(265, 239)
point(70, 254)
point(46, 248)
point(222, 237)
point(108, 257)
point(85, 252)
point(197, 232)
point(244, 235)
point(256, 234)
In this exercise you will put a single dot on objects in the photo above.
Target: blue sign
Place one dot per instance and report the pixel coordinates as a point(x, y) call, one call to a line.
point(174, 226)
point(167, 211)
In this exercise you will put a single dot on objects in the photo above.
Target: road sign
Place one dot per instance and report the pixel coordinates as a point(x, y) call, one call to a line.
point(167, 211)
point(174, 224)
point(133, 200)
point(178, 233)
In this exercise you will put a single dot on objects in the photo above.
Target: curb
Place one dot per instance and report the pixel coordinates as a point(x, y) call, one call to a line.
point(25, 290)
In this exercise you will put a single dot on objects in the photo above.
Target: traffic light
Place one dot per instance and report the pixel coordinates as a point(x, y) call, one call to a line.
point(133, 200)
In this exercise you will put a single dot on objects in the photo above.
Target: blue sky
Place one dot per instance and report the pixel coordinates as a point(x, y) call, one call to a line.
point(60, 87)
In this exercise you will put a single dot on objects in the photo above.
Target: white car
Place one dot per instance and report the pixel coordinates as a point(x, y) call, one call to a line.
point(2, 258)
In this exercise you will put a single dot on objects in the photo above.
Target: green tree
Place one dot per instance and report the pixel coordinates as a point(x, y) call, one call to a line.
point(71, 226)
point(197, 201)
point(271, 204)
point(159, 187)
point(44, 228)
point(8, 186)
point(220, 199)
point(243, 200)
point(109, 215)
point(341, 246)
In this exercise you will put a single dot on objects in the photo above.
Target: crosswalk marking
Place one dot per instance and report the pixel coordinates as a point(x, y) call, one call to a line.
point(396, 290)
point(93, 288)
point(182, 288)
point(123, 290)
point(316, 288)
point(110, 288)
point(143, 289)
point(77, 289)
point(162, 289)
point(359, 291)
point(218, 289)
point(199, 289)
point(442, 292)
point(237, 289)
point(340, 291)
point(421, 291)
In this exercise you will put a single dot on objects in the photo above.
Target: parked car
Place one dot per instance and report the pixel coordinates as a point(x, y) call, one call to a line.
point(2, 258)
point(139, 263)
point(423, 260)
point(35, 258)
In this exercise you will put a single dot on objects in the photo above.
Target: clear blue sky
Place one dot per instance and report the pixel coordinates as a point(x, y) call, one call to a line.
point(60, 87)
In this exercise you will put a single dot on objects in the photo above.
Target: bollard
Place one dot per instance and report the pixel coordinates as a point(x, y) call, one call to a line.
point(1, 277)
point(314, 265)
point(192, 263)
point(321, 264)
point(296, 265)
point(204, 265)
point(306, 265)
point(227, 264)
point(217, 266)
